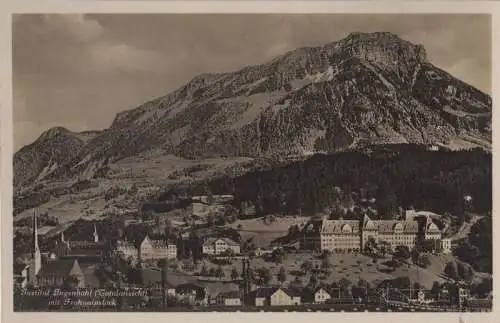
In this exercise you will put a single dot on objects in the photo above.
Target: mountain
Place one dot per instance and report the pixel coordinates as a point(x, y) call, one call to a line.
point(54, 148)
point(365, 89)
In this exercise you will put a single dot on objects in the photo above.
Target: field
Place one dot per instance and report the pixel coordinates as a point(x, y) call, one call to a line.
point(352, 267)
point(148, 173)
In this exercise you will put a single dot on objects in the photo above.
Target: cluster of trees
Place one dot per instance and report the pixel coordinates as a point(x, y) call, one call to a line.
point(115, 270)
point(216, 272)
point(43, 219)
point(404, 177)
point(459, 271)
point(40, 196)
point(477, 249)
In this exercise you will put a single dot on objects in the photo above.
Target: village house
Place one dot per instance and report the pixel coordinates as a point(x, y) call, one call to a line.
point(231, 298)
point(322, 294)
point(152, 249)
point(21, 275)
point(127, 249)
point(424, 297)
point(272, 296)
point(192, 294)
point(203, 205)
point(217, 246)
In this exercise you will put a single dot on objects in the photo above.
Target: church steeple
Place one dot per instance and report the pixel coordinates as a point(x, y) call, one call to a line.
point(37, 256)
point(96, 236)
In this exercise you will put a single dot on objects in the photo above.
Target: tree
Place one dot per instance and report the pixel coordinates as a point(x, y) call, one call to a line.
point(465, 272)
point(384, 248)
point(415, 256)
point(401, 282)
point(425, 261)
point(313, 281)
point(402, 253)
point(306, 266)
point(435, 289)
point(282, 275)
point(345, 285)
point(483, 288)
point(264, 275)
point(278, 255)
point(297, 282)
point(210, 220)
point(370, 246)
point(204, 271)
point(450, 270)
point(293, 230)
point(325, 264)
point(234, 274)
point(219, 272)
point(429, 245)
point(386, 200)
point(362, 287)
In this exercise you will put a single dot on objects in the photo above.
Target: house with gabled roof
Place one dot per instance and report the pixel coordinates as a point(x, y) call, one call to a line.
point(322, 294)
point(275, 296)
point(58, 272)
point(157, 248)
point(219, 245)
point(21, 275)
point(230, 298)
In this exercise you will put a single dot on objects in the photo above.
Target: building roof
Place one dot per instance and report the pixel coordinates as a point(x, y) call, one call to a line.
point(44, 230)
point(390, 226)
point(340, 226)
point(293, 291)
point(327, 289)
point(78, 249)
point(159, 242)
point(60, 267)
point(125, 244)
point(188, 287)
point(212, 240)
point(431, 226)
point(86, 244)
point(262, 292)
point(234, 294)
point(216, 288)
point(18, 268)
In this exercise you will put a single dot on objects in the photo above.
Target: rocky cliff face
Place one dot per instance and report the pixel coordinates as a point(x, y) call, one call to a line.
point(368, 88)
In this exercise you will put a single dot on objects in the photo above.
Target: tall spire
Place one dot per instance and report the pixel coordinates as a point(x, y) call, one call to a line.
point(96, 236)
point(36, 249)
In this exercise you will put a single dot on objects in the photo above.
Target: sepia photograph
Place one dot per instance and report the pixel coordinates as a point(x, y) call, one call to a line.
point(252, 162)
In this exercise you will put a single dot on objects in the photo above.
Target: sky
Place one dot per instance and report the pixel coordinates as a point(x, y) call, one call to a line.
point(79, 71)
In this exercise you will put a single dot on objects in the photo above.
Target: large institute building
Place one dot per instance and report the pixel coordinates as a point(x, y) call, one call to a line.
point(353, 235)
